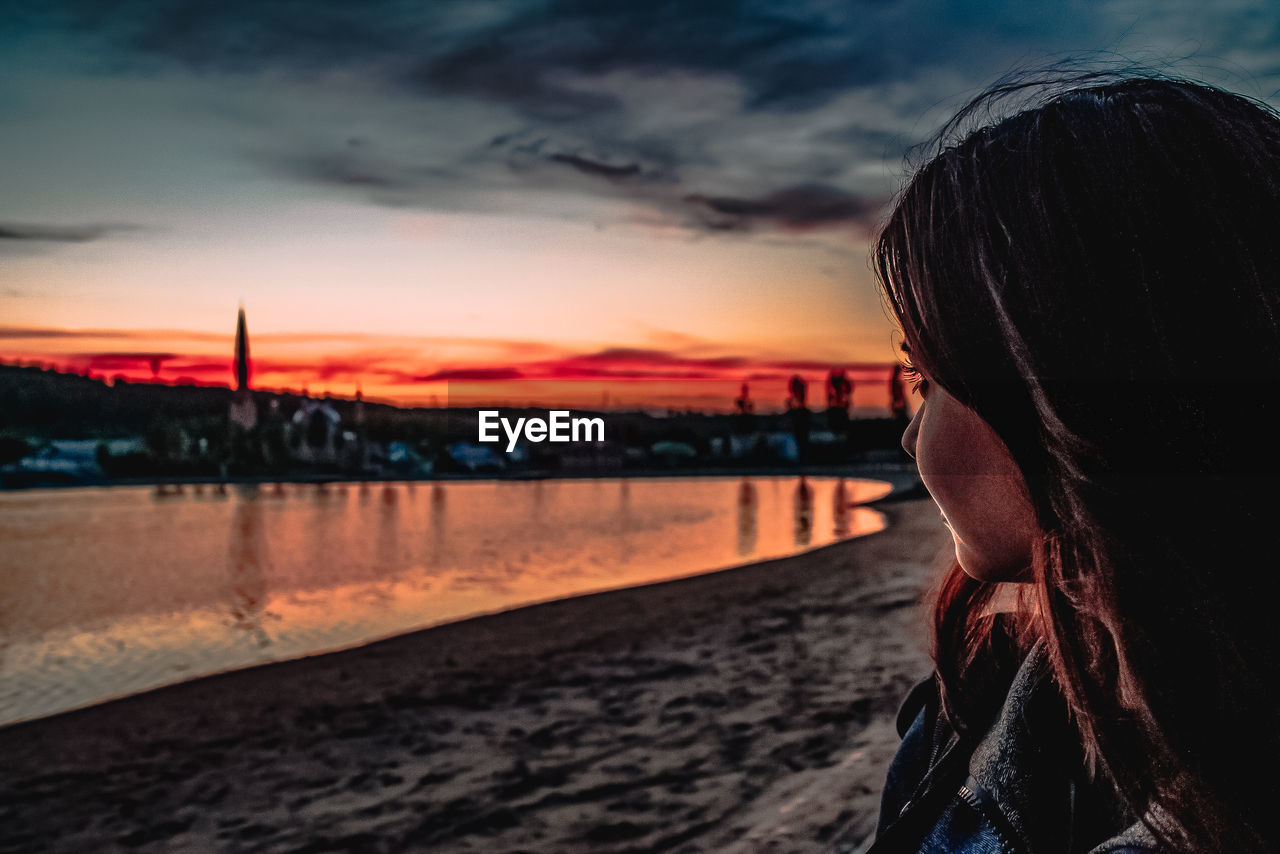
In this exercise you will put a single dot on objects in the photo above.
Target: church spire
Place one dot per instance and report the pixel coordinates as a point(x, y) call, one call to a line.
point(244, 411)
point(242, 353)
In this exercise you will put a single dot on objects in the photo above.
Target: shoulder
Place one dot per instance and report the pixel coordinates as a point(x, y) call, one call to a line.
point(922, 695)
point(1137, 838)
point(921, 730)
point(1132, 845)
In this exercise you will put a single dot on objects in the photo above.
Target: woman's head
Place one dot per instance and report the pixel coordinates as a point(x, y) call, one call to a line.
point(1095, 281)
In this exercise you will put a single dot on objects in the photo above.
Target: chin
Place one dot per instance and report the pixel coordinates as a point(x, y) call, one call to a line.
point(975, 575)
point(989, 572)
point(974, 566)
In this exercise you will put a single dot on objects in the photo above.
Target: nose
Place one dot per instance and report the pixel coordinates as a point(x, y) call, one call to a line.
point(909, 436)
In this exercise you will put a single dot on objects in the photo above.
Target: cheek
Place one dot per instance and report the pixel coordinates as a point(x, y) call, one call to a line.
point(953, 441)
point(977, 486)
point(941, 457)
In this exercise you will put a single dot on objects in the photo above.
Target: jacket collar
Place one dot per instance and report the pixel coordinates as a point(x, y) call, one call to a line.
point(1024, 761)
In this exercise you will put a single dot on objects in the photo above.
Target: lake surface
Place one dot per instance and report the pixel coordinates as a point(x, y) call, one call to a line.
point(111, 591)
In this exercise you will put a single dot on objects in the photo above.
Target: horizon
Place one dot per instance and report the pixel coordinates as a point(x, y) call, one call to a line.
point(474, 397)
point(646, 378)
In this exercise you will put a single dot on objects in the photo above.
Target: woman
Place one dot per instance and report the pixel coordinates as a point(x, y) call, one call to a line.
point(1089, 292)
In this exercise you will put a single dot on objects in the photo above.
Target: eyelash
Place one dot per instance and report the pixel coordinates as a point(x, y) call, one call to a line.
point(913, 376)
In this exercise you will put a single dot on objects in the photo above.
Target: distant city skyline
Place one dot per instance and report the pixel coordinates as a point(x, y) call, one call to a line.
point(666, 199)
point(606, 379)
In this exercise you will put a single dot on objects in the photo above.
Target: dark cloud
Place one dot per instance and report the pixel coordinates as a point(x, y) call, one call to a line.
point(639, 364)
point(808, 365)
point(353, 365)
point(648, 356)
point(570, 372)
point(379, 182)
point(225, 367)
point(336, 368)
point(791, 55)
point(653, 364)
point(548, 62)
point(514, 52)
point(21, 333)
point(708, 115)
point(344, 172)
point(373, 354)
point(490, 71)
point(235, 35)
point(472, 374)
point(208, 368)
point(41, 233)
point(124, 361)
point(532, 54)
point(375, 176)
point(602, 170)
point(631, 163)
point(802, 207)
point(625, 354)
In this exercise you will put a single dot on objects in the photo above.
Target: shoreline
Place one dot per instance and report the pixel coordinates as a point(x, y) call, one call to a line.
point(742, 707)
point(868, 468)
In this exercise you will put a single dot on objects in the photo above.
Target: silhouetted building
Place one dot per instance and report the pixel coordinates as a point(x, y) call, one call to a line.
point(244, 412)
point(315, 433)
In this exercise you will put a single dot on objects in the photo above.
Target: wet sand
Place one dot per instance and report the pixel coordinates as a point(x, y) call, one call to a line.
point(746, 710)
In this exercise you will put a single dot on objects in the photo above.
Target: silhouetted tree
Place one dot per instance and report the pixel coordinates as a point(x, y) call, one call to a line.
point(839, 390)
point(839, 396)
point(798, 390)
point(798, 415)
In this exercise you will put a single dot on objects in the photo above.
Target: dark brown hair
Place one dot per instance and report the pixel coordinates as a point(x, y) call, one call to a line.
point(1097, 276)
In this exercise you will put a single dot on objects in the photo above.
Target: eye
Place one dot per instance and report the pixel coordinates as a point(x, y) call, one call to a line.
point(918, 383)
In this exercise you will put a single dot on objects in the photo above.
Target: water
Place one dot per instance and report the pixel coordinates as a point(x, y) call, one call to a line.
point(112, 591)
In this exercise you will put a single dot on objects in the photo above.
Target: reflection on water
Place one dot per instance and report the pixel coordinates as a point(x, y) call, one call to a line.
point(112, 591)
point(387, 549)
point(437, 525)
point(746, 518)
point(804, 513)
point(248, 567)
point(840, 510)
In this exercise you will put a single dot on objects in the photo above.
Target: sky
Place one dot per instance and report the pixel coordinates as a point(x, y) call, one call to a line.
point(646, 202)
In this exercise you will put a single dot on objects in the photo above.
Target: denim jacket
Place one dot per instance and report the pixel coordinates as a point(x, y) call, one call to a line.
point(1020, 789)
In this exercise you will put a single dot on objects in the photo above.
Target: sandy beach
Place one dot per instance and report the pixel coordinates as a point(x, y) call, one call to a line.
point(745, 710)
